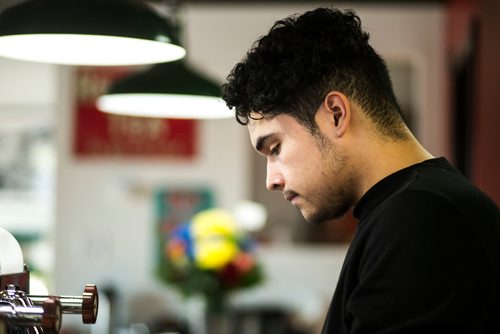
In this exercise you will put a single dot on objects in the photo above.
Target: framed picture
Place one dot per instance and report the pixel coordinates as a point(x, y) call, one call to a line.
point(174, 207)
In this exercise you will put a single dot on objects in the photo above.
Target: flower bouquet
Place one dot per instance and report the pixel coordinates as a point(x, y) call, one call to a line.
point(210, 256)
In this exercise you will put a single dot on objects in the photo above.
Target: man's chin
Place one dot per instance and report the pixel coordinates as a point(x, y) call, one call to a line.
point(314, 219)
point(323, 217)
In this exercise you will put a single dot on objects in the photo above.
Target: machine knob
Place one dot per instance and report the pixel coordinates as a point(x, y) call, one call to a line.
point(90, 304)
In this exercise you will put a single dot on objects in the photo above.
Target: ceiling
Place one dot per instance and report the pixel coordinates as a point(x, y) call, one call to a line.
point(8, 3)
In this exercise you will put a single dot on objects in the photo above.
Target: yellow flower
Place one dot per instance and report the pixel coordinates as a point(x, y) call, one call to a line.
point(214, 253)
point(214, 232)
point(213, 221)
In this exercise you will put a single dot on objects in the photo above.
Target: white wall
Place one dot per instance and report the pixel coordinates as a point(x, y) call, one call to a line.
point(27, 101)
point(104, 231)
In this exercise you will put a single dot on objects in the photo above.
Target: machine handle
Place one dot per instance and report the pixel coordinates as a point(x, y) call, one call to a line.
point(87, 305)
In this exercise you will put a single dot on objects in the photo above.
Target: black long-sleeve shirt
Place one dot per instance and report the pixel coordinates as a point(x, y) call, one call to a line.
point(425, 258)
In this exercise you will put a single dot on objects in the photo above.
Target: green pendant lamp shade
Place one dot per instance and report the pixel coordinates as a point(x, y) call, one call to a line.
point(87, 32)
point(166, 90)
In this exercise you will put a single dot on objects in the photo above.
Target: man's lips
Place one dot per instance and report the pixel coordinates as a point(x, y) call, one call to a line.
point(289, 196)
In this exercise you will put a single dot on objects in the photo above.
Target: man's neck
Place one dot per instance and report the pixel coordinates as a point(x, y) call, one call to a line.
point(385, 157)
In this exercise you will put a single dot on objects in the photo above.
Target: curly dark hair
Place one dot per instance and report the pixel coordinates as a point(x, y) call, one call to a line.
point(301, 59)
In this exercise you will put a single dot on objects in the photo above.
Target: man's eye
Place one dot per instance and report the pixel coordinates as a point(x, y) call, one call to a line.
point(275, 150)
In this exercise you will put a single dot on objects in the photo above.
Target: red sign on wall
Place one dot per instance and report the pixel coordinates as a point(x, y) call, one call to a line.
point(101, 134)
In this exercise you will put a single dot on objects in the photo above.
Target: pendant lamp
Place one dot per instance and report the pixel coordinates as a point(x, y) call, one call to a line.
point(87, 32)
point(166, 90)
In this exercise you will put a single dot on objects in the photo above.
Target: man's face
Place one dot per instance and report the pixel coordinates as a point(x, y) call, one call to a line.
point(306, 168)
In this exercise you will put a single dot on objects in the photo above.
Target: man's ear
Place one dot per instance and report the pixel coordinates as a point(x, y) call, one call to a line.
point(338, 107)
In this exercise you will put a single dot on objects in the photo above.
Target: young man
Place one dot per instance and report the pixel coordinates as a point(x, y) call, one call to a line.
point(319, 105)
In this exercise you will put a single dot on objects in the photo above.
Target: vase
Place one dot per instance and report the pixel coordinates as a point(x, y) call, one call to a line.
point(205, 316)
point(216, 314)
point(216, 323)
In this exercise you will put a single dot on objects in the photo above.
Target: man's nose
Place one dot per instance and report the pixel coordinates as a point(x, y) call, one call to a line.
point(274, 179)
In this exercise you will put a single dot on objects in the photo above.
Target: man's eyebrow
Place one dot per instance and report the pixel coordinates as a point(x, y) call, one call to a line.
point(261, 141)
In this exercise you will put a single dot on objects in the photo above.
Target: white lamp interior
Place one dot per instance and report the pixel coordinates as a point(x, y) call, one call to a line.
point(94, 50)
point(165, 106)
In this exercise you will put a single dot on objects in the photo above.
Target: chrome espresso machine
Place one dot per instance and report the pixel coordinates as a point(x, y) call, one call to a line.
point(23, 313)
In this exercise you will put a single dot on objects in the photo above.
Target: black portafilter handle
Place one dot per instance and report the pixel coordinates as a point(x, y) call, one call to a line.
point(87, 304)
